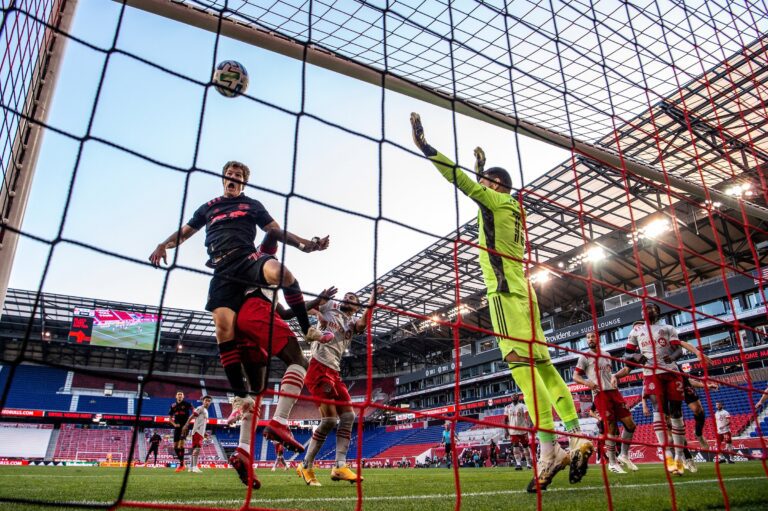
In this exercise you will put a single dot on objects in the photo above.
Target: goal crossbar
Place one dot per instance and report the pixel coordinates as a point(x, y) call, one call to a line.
point(322, 57)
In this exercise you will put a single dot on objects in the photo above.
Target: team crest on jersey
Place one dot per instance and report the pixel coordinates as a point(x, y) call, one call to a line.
point(661, 342)
point(651, 386)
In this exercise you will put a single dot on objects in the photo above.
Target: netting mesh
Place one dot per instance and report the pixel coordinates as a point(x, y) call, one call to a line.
point(679, 88)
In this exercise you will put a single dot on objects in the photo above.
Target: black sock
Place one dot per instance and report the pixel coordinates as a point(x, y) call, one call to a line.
point(700, 419)
point(295, 299)
point(687, 453)
point(180, 454)
point(230, 360)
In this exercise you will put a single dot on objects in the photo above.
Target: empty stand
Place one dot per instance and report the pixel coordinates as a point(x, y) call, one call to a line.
point(88, 443)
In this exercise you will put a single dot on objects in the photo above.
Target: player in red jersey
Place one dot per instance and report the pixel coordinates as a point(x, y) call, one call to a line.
point(723, 422)
point(264, 333)
point(657, 347)
point(324, 382)
point(594, 371)
point(517, 420)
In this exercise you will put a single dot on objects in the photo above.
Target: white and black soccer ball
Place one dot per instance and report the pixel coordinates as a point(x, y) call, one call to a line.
point(230, 78)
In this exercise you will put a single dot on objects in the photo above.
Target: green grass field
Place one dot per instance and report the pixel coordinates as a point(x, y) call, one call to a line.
point(390, 490)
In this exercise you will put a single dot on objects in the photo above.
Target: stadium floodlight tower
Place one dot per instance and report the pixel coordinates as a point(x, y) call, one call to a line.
point(35, 37)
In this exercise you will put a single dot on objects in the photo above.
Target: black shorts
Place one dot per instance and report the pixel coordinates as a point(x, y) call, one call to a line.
point(232, 277)
point(177, 436)
point(447, 448)
point(689, 393)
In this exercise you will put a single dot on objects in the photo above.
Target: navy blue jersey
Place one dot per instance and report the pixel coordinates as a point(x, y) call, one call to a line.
point(180, 412)
point(230, 224)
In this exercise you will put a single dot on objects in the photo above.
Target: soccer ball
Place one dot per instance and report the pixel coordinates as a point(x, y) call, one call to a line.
point(230, 78)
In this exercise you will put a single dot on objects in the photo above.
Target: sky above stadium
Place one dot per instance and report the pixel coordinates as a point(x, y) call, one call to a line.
point(133, 136)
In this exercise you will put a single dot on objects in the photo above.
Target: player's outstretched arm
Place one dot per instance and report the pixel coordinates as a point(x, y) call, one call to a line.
point(362, 323)
point(324, 297)
point(274, 231)
point(172, 241)
point(452, 173)
point(701, 356)
point(417, 131)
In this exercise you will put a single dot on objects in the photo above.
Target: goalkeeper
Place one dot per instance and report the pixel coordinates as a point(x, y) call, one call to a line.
point(515, 311)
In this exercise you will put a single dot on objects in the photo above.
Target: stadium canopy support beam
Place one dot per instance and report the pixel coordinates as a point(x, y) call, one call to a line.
point(29, 136)
point(312, 54)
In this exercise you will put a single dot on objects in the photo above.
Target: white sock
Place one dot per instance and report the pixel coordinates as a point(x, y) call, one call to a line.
point(292, 383)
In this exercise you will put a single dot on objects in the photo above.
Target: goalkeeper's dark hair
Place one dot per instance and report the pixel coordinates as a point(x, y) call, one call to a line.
point(239, 165)
point(500, 176)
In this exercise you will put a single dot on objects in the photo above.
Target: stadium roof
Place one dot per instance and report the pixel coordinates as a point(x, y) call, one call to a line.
point(713, 129)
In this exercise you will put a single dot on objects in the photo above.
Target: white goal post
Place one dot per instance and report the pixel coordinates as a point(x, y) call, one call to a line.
point(17, 180)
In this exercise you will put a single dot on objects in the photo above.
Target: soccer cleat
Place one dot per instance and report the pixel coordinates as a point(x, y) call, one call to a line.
point(280, 433)
point(669, 462)
point(196, 470)
point(308, 475)
point(548, 469)
point(344, 474)
point(581, 450)
point(690, 465)
point(241, 462)
point(616, 468)
point(519, 467)
point(314, 334)
point(180, 468)
point(626, 463)
point(679, 467)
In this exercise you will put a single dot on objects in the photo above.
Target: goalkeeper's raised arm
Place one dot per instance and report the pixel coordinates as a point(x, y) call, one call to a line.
point(492, 187)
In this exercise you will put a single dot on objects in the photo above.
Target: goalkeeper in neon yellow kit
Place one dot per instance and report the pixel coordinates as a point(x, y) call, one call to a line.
point(515, 311)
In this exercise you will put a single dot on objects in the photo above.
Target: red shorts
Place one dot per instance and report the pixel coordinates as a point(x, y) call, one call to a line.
point(519, 440)
point(197, 440)
point(611, 406)
point(724, 438)
point(324, 382)
point(665, 386)
point(253, 324)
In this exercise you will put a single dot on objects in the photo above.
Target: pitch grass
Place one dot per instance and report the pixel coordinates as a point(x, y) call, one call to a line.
point(390, 490)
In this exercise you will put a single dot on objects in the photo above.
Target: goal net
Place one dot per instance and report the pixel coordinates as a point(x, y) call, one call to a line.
point(635, 138)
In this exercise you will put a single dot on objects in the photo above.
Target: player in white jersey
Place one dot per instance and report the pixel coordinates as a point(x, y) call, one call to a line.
point(723, 422)
point(656, 347)
point(518, 424)
point(608, 401)
point(324, 382)
point(200, 417)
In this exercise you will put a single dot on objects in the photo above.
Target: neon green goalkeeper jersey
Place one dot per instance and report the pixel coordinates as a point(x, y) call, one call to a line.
point(500, 220)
